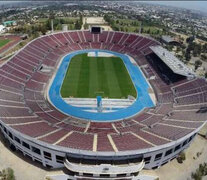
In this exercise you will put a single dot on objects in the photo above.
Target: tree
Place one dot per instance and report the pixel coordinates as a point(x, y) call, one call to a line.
point(48, 25)
point(148, 31)
point(197, 64)
point(187, 55)
point(81, 20)
point(203, 57)
point(122, 28)
point(190, 39)
point(136, 30)
point(85, 26)
point(7, 174)
point(141, 31)
point(196, 176)
point(200, 172)
point(43, 29)
point(204, 48)
point(77, 25)
point(206, 75)
point(48, 178)
point(196, 49)
point(58, 27)
point(169, 47)
point(181, 157)
point(70, 27)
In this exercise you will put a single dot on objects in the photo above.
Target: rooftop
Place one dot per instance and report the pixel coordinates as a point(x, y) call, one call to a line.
point(168, 39)
point(173, 62)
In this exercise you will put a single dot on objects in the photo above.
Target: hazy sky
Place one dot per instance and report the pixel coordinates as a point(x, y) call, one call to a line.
point(196, 5)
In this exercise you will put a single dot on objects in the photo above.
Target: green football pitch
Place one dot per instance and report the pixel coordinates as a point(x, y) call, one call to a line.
point(88, 77)
point(3, 42)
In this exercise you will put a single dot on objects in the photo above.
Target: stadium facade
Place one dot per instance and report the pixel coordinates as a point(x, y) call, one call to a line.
point(90, 149)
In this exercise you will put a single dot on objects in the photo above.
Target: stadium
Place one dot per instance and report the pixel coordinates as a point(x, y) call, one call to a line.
point(102, 104)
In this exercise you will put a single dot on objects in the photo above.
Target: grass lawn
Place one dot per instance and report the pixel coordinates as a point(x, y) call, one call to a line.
point(67, 20)
point(70, 21)
point(88, 77)
point(4, 42)
point(134, 25)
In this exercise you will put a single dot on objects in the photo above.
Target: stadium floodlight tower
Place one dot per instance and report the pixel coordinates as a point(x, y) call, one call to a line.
point(52, 17)
point(99, 103)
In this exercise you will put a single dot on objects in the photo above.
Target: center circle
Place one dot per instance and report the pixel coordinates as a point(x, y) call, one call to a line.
point(142, 101)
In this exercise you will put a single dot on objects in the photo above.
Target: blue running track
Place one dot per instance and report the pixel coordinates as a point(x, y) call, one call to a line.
point(143, 99)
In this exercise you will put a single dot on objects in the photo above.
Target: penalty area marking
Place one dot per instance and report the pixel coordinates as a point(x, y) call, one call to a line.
point(100, 54)
point(98, 93)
